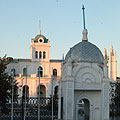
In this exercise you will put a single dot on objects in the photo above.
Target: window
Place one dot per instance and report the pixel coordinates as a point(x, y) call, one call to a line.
point(36, 54)
point(40, 40)
point(44, 55)
point(24, 71)
point(40, 54)
point(13, 72)
point(40, 71)
point(54, 72)
point(25, 91)
point(42, 91)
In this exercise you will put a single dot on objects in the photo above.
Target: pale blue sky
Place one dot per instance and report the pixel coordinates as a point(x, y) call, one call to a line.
point(61, 22)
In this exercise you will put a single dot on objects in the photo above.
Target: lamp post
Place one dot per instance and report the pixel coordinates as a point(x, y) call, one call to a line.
point(12, 95)
point(22, 100)
point(52, 98)
point(39, 95)
point(52, 93)
point(25, 94)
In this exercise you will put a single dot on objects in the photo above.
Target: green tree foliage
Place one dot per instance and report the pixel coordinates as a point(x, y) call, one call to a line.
point(117, 97)
point(6, 81)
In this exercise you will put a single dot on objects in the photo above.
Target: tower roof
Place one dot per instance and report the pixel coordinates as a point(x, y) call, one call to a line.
point(38, 37)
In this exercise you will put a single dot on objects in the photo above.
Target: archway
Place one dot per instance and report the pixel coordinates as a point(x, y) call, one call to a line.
point(83, 111)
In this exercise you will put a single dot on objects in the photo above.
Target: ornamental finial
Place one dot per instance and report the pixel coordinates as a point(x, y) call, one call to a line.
point(84, 30)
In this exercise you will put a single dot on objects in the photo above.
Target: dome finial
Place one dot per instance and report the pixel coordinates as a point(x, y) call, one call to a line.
point(39, 28)
point(84, 30)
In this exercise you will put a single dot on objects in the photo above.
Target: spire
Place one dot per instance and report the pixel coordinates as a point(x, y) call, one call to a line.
point(111, 46)
point(39, 28)
point(83, 16)
point(84, 30)
point(105, 53)
point(63, 58)
point(111, 50)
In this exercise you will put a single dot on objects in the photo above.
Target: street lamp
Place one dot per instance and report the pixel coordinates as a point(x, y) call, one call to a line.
point(22, 98)
point(39, 94)
point(12, 73)
point(52, 92)
point(25, 93)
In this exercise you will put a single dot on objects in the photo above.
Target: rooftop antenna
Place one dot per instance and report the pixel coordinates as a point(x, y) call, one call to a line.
point(39, 28)
point(83, 16)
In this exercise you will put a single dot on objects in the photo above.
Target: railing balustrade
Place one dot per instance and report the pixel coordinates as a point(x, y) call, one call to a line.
point(31, 109)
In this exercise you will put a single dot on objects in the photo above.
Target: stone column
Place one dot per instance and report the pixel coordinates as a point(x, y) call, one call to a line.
point(68, 92)
point(105, 103)
point(68, 100)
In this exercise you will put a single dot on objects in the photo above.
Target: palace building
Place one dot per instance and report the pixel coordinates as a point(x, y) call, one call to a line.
point(28, 72)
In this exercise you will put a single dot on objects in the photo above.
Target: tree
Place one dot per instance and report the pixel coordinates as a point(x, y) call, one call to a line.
point(117, 97)
point(6, 81)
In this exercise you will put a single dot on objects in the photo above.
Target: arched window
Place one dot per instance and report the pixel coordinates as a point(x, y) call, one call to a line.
point(36, 54)
point(13, 72)
point(44, 55)
point(42, 91)
point(24, 71)
point(85, 111)
point(54, 72)
point(40, 71)
point(56, 92)
point(25, 91)
point(40, 54)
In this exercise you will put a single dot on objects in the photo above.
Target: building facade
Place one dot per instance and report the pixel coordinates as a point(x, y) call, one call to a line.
point(28, 72)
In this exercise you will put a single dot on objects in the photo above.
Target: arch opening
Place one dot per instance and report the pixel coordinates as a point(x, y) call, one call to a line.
point(36, 54)
point(24, 71)
point(83, 112)
point(55, 72)
point(25, 91)
point(40, 55)
point(40, 71)
point(42, 91)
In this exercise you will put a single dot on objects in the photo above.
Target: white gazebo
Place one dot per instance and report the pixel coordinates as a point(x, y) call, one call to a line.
point(84, 83)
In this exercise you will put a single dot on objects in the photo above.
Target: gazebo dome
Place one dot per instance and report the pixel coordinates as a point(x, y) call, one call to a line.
point(85, 52)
